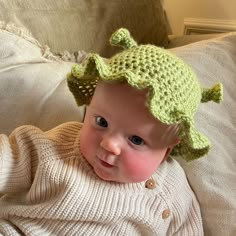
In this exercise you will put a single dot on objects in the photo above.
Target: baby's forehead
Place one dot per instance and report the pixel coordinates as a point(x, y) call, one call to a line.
point(131, 102)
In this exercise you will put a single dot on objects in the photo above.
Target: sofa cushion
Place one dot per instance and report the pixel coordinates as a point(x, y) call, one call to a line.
point(87, 25)
point(33, 88)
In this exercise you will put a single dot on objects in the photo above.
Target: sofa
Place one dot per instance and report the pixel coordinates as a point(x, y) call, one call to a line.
point(41, 40)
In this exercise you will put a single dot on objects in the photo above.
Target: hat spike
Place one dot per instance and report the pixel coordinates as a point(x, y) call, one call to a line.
point(122, 38)
point(214, 94)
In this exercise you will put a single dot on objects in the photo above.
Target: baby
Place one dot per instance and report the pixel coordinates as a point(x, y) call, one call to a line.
point(113, 174)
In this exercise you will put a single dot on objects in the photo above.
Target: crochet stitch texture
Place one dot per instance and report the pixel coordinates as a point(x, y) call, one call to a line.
point(174, 90)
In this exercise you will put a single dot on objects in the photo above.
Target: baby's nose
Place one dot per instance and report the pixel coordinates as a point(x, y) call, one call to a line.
point(111, 144)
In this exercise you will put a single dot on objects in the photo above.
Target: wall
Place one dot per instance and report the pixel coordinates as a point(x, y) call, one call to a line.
point(177, 10)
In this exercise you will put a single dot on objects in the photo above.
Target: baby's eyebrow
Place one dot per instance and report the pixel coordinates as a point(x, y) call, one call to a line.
point(100, 111)
point(95, 108)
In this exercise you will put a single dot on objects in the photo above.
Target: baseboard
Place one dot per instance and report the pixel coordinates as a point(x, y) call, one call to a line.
point(208, 26)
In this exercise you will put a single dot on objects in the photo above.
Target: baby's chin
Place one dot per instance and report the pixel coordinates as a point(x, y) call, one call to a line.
point(105, 177)
point(110, 176)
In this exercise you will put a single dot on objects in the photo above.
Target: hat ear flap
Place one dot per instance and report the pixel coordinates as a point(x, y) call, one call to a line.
point(82, 81)
point(96, 66)
point(77, 86)
point(193, 143)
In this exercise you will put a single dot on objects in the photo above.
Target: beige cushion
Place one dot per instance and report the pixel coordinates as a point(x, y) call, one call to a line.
point(213, 178)
point(87, 25)
point(33, 89)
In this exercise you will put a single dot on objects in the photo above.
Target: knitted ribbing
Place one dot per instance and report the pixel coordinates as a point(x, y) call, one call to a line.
point(52, 190)
point(174, 90)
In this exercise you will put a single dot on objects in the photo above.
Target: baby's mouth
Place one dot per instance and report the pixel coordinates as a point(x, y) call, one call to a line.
point(105, 164)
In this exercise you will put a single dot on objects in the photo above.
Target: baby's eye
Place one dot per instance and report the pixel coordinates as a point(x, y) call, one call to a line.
point(136, 140)
point(101, 121)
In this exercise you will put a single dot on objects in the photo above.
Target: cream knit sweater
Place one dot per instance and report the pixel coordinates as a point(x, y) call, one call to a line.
point(50, 189)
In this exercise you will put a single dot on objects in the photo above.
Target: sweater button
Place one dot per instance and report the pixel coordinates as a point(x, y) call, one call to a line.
point(165, 213)
point(150, 184)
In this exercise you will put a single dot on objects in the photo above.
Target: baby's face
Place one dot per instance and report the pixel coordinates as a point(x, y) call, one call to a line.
point(120, 138)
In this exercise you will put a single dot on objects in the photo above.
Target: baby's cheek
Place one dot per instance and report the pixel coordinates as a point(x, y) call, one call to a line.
point(140, 169)
point(83, 148)
point(84, 145)
point(88, 143)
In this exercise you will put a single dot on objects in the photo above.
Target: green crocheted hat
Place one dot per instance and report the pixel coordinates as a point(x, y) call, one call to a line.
point(174, 90)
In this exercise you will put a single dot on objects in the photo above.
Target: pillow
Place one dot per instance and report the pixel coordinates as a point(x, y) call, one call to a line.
point(33, 88)
point(213, 178)
point(80, 24)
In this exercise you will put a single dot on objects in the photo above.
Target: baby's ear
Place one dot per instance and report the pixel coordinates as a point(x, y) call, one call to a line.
point(169, 149)
point(176, 142)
